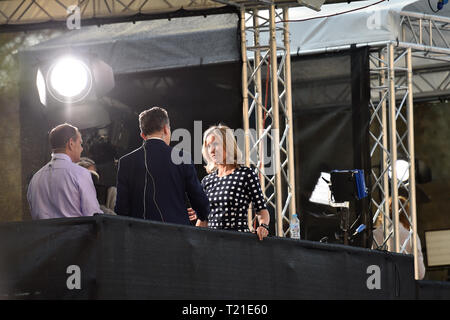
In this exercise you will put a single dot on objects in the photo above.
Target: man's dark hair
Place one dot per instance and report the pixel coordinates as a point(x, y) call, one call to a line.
point(153, 120)
point(60, 135)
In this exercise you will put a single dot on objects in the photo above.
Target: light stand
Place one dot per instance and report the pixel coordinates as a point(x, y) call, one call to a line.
point(343, 209)
point(337, 189)
point(347, 185)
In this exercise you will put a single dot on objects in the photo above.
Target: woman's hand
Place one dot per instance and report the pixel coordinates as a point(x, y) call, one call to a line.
point(264, 219)
point(262, 232)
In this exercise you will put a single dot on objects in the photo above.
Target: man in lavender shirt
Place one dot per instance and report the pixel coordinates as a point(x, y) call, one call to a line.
point(62, 188)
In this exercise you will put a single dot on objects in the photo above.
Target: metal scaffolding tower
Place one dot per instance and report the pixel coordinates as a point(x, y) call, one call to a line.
point(269, 144)
point(392, 120)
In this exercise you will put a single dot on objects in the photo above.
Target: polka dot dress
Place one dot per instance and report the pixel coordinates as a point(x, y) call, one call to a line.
point(230, 196)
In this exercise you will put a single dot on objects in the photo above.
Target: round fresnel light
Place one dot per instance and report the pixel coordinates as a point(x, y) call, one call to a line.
point(69, 80)
point(402, 170)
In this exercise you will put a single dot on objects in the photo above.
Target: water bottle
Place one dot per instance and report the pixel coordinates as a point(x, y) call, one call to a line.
point(295, 227)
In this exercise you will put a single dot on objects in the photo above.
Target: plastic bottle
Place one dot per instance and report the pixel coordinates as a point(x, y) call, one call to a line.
point(295, 227)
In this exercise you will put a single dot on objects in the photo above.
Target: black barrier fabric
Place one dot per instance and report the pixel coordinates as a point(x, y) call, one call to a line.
point(125, 258)
point(433, 290)
point(35, 257)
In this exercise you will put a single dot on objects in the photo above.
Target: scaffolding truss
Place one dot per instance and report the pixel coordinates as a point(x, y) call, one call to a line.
point(268, 125)
point(392, 121)
point(392, 137)
point(428, 35)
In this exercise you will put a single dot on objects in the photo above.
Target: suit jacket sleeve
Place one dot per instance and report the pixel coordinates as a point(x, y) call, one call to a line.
point(123, 190)
point(194, 190)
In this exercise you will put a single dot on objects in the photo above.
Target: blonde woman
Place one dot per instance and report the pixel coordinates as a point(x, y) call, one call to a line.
point(405, 232)
point(230, 186)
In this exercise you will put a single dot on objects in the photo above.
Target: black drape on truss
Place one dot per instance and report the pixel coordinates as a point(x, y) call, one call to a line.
point(331, 116)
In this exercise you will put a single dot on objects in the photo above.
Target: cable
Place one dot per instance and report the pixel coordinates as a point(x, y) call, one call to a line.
point(145, 191)
point(332, 15)
point(145, 186)
point(356, 220)
point(432, 7)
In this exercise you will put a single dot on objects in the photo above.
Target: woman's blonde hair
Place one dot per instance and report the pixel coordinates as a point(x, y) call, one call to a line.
point(403, 213)
point(223, 135)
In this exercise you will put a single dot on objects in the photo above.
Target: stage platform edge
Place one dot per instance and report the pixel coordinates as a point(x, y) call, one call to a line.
point(113, 257)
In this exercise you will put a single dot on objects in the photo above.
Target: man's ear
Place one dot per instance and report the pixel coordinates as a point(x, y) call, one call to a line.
point(166, 129)
point(70, 144)
point(143, 135)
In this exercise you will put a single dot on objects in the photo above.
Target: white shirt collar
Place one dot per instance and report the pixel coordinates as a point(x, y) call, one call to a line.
point(62, 156)
point(158, 138)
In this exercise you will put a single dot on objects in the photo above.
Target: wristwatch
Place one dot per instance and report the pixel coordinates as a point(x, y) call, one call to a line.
point(264, 226)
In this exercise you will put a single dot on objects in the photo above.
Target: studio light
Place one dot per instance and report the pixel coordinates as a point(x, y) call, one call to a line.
point(338, 187)
point(69, 80)
point(40, 83)
point(422, 172)
point(402, 168)
point(73, 79)
point(322, 192)
point(348, 185)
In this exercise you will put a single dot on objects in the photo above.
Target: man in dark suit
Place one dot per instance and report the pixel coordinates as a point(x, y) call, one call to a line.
point(150, 185)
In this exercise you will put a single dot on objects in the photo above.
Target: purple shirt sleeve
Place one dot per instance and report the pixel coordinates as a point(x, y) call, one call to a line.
point(88, 200)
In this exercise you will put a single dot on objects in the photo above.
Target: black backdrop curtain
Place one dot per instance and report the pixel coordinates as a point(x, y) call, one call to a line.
point(331, 116)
